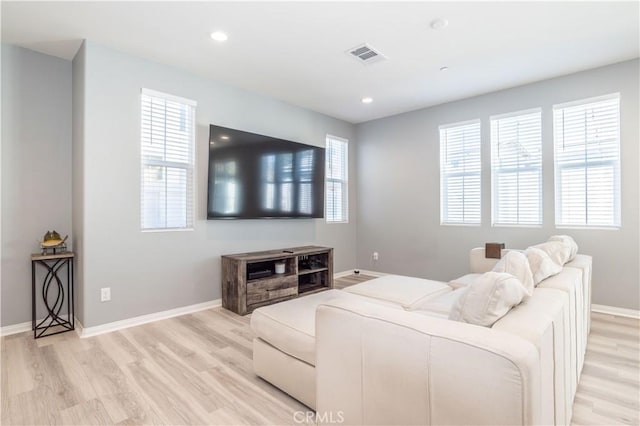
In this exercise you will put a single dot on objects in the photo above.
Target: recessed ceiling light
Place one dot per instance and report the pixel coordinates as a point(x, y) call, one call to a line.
point(444, 68)
point(219, 36)
point(367, 100)
point(224, 137)
point(438, 24)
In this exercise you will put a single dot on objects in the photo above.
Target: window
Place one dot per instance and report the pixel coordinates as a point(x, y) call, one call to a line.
point(516, 168)
point(167, 142)
point(586, 136)
point(336, 182)
point(460, 173)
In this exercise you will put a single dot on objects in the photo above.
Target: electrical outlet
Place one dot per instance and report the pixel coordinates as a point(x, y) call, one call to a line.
point(105, 294)
point(376, 255)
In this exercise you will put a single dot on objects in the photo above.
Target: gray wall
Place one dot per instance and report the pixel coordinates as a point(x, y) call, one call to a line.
point(36, 167)
point(398, 187)
point(156, 271)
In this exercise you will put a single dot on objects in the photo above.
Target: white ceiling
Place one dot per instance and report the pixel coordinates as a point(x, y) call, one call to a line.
point(295, 51)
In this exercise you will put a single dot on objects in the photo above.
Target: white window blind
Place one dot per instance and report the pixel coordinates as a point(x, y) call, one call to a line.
point(337, 160)
point(587, 162)
point(516, 169)
point(460, 173)
point(167, 145)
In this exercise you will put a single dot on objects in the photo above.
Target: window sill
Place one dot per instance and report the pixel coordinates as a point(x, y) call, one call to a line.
point(590, 228)
point(145, 231)
point(505, 225)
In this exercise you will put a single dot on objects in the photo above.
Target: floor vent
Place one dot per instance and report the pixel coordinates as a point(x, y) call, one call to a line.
point(366, 54)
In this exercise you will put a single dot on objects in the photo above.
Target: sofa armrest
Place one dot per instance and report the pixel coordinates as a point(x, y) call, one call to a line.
point(377, 365)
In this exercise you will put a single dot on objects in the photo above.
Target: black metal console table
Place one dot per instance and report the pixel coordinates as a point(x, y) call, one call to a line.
point(53, 288)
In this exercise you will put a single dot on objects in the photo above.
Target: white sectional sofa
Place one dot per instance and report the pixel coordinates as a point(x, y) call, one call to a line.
point(384, 352)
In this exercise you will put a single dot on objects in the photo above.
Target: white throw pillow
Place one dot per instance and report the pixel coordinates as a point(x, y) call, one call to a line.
point(558, 251)
point(463, 281)
point(488, 299)
point(568, 241)
point(541, 264)
point(517, 264)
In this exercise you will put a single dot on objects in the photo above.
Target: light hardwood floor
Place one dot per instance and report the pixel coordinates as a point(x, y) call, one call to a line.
point(196, 369)
point(609, 388)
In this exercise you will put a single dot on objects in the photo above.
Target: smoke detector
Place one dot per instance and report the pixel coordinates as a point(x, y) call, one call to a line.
point(438, 24)
point(365, 54)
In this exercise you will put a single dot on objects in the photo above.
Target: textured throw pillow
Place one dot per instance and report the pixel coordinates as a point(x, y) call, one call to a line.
point(541, 264)
point(488, 299)
point(463, 281)
point(517, 264)
point(558, 251)
point(566, 239)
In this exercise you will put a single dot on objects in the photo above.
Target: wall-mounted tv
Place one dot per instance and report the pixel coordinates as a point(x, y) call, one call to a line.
point(254, 176)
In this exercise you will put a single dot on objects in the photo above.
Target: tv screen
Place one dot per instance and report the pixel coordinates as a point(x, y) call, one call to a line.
point(254, 176)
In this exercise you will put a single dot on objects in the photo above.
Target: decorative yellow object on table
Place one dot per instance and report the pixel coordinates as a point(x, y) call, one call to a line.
point(53, 241)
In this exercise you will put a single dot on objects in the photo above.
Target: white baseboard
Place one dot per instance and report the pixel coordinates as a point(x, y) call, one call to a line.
point(343, 274)
point(144, 319)
point(8, 330)
point(371, 273)
point(361, 271)
point(118, 325)
point(613, 310)
point(15, 328)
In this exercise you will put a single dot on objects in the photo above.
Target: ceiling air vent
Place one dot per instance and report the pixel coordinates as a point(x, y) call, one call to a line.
point(365, 54)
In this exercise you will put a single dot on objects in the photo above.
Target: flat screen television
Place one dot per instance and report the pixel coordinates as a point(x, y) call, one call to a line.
point(254, 176)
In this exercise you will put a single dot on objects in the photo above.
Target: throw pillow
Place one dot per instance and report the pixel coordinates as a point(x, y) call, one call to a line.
point(463, 281)
point(517, 264)
point(566, 239)
point(541, 264)
point(558, 251)
point(488, 299)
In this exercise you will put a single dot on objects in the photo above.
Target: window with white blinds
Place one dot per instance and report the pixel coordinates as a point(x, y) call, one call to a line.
point(337, 159)
point(586, 136)
point(167, 148)
point(516, 169)
point(460, 173)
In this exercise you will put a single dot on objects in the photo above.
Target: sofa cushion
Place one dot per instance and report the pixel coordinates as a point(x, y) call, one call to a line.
point(291, 325)
point(516, 264)
point(543, 320)
point(583, 262)
point(570, 282)
point(542, 266)
point(488, 299)
point(406, 292)
point(441, 305)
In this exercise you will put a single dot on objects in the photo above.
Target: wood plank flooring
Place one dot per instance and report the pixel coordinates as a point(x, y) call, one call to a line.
point(609, 388)
point(197, 369)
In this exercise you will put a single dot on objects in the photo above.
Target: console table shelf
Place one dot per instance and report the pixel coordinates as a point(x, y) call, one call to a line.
point(311, 271)
point(250, 280)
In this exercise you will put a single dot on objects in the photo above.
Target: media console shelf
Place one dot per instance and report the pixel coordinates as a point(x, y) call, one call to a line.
point(251, 280)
